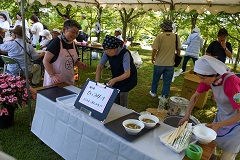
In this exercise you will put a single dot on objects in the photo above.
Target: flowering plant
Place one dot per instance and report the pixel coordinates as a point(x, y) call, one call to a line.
point(13, 92)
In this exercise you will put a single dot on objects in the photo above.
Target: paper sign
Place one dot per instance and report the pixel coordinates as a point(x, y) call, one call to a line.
point(95, 96)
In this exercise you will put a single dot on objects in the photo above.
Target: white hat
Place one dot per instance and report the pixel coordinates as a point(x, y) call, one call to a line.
point(207, 65)
point(83, 15)
point(118, 30)
point(56, 30)
point(197, 30)
point(45, 33)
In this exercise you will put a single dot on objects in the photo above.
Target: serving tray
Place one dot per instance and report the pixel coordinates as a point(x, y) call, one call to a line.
point(117, 127)
point(54, 92)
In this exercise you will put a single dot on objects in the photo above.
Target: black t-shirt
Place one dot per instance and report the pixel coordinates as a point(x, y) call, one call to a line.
point(54, 47)
point(82, 36)
point(215, 49)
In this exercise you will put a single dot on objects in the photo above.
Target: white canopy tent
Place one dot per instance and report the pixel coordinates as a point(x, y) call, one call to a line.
point(214, 6)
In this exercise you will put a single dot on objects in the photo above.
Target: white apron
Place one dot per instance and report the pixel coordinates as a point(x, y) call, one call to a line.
point(228, 137)
point(63, 67)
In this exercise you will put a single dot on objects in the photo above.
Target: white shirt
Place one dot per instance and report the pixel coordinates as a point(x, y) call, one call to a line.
point(19, 23)
point(5, 25)
point(120, 37)
point(44, 42)
point(36, 27)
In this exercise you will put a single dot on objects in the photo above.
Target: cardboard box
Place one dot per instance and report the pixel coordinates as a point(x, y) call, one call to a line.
point(190, 85)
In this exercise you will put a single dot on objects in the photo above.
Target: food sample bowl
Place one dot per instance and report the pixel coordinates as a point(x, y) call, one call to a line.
point(204, 135)
point(149, 120)
point(133, 126)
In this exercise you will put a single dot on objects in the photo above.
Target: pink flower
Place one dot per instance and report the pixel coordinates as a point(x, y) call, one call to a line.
point(15, 99)
point(18, 78)
point(4, 90)
point(10, 100)
point(2, 99)
point(4, 85)
point(3, 111)
point(12, 90)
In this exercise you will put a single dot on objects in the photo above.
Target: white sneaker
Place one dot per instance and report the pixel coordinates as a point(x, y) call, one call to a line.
point(152, 94)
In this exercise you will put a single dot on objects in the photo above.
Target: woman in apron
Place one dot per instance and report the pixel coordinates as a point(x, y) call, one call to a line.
point(226, 90)
point(62, 55)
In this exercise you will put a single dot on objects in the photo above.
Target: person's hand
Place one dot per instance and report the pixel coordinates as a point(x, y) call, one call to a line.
point(111, 82)
point(82, 65)
point(223, 43)
point(55, 79)
point(181, 122)
point(215, 126)
point(153, 60)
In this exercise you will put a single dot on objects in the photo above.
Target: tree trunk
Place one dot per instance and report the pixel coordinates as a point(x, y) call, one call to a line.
point(203, 50)
point(194, 20)
point(237, 58)
point(100, 9)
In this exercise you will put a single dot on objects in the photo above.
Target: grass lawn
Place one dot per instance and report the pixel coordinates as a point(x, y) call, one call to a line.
point(21, 143)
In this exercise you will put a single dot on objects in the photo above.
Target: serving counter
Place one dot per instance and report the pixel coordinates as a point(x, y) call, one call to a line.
point(76, 136)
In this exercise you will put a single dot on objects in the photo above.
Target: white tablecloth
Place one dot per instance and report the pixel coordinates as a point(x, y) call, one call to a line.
point(76, 136)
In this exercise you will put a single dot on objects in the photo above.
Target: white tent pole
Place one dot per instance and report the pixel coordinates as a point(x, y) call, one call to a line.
point(26, 61)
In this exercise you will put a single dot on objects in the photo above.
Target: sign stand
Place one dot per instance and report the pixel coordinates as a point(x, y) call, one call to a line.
point(96, 99)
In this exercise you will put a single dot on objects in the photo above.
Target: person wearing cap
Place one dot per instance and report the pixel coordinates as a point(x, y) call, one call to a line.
point(220, 49)
point(3, 22)
point(84, 24)
point(19, 23)
point(5, 25)
point(55, 33)
point(124, 72)
point(163, 55)
point(36, 28)
point(225, 86)
point(15, 50)
point(46, 38)
point(118, 34)
point(62, 55)
point(195, 43)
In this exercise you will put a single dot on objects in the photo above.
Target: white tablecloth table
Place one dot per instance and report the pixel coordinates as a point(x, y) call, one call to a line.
point(77, 136)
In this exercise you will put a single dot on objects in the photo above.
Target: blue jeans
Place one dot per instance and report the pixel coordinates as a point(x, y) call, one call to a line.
point(186, 59)
point(167, 72)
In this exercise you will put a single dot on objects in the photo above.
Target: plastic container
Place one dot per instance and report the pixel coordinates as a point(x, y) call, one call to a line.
point(177, 105)
point(38, 46)
point(162, 103)
point(177, 150)
point(67, 101)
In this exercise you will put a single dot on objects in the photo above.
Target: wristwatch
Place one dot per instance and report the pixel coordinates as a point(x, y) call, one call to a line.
point(226, 49)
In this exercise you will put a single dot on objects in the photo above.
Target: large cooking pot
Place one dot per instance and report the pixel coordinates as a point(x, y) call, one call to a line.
point(177, 105)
